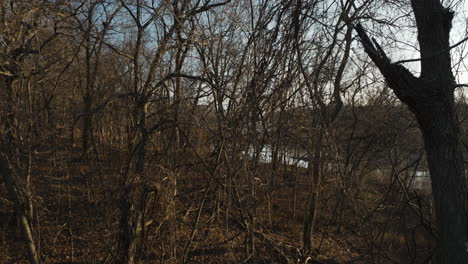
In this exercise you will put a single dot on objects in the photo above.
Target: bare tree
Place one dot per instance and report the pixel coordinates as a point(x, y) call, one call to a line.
point(25, 35)
point(431, 98)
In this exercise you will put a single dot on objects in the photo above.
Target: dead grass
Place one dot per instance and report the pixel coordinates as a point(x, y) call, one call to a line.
point(76, 218)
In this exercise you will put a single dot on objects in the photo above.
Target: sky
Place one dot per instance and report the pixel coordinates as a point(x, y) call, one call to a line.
point(400, 43)
point(459, 32)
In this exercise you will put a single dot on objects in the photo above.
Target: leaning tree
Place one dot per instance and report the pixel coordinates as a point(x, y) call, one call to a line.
point(431, 98)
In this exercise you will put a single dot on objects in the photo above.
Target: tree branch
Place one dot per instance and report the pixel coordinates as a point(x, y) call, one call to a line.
point(435, 54)
point(399, 79)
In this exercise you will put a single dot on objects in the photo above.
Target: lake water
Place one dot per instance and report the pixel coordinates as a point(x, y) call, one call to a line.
point(420, 181)
point(288, 157)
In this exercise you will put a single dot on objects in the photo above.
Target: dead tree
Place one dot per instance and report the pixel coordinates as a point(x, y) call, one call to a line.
point(431, 98)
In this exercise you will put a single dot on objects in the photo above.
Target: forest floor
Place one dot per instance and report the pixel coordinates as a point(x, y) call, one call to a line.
point(76, 220)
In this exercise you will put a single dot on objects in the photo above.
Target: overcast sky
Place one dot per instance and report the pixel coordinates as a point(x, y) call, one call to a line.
point(406, 48)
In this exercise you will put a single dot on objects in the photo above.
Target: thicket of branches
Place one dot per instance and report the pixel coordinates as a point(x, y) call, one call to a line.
point(204, 132)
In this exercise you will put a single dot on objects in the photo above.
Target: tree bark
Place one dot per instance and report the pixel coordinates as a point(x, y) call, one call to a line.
point(25, 225)
point(431, 98)
point(314, 196)
point(8, 144)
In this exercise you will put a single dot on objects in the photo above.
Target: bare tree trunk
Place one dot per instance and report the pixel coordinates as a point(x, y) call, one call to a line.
point(132, 223)
point(87, 123)
point(5, 171)
point(311, 214)
point(9, 118)
point(445, 161)
point(25, 225)
point(127, 237)
point(131, 212)
point(431, 98)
